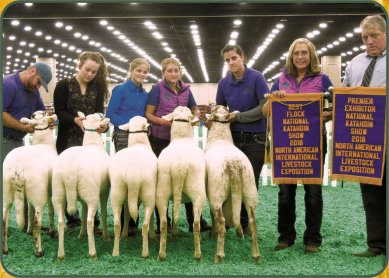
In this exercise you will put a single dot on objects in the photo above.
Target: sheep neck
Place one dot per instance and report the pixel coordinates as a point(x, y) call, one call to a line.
point(92, 138)
point(138, 138)
point(44, 136)
point(181, 130)
point(220, 131)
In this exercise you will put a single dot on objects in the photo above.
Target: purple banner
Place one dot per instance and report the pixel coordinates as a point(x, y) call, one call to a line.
point(296, 141)
point(358, 146)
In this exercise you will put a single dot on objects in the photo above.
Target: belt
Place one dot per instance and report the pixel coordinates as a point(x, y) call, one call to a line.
point(7, 136)
point(247, 133)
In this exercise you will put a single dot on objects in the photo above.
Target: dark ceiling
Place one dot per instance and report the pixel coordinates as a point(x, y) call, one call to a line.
point(173, 21)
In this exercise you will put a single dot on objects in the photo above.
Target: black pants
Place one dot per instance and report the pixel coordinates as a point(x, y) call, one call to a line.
point(120, 140)
point(374, 203)
point(158, 145)
point(313, 211)
point(253, 146)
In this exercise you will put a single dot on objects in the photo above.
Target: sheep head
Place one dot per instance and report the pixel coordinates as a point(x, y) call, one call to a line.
point(136, 124)
point(40, 118)
point(181, 113)
point(93, 121)
point(219, 113)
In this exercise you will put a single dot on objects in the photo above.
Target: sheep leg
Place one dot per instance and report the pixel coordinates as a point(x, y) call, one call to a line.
point(196, 231)
point(90, 230)
point(253, 230)
point(117, 210)
point(52, 232)
point(221, 225)
point(31, 214)
point(60, 208)
point(163, 229)
point(126, 220)
point(213, 231)
point(6, 213)
point(147, 212)
point(151, 226)
point(37, 232)
point(84, 213)
point(104, 200)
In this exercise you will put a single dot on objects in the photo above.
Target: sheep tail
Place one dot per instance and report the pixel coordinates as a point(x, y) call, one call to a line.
point(19, 205)
point(236, 193)
point(178, 184)
point(133, 202)
point(71, 195)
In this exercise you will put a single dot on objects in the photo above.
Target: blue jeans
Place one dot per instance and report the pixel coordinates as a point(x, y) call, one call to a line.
point(9, 144)
point(253, 146)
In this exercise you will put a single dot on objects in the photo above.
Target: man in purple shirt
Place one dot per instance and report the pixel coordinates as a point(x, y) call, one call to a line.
point(21, 98)
point(243, 90)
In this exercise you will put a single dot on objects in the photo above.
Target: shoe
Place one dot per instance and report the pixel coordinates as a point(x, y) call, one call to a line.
point(309, 249)
point(281, 246)
point(369, 252)
point(246, 231)
point(132, 231)
point(97, 231)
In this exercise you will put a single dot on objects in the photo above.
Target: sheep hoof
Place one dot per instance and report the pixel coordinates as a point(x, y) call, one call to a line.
point(39, 254)
point(29, 233)
point(81, 236)
point(115, 254)
point(153, 238)
point(199, 258)
point(145, 256)
point(218, 259)
point(123, 238)
point(61, 259)
point(161, 258)
point(256, 259)
point(5, 252)
point(93, 257)
point(106, 238)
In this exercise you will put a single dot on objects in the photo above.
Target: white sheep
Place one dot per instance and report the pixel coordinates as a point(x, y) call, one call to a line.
point(181, 169)
point(82, 173)
point(133, 174)
point(230, 179)
point(27, 174)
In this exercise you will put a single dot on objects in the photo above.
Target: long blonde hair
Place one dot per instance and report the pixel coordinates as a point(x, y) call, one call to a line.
point(101, 78)
point(314, 66)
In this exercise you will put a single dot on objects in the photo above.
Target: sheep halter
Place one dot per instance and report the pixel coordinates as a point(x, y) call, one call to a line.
point(138, 131)
point(181, 120)
point(222, 122)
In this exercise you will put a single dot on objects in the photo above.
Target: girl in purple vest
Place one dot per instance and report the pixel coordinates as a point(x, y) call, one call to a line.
point(164, 97)
point(301, 75)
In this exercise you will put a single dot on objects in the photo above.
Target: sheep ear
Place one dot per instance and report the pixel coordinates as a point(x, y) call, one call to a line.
point(52, 118)
point(168, 117)
point(125, 126)
point(209, 117)
point(80, 114)
point(194, 119)
point(105, 121)
point(25, 120)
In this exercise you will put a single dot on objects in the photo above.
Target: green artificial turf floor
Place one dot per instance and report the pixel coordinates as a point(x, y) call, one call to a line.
point(343, 231)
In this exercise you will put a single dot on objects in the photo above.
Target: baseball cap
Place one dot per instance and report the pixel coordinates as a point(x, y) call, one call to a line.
point(44, 72)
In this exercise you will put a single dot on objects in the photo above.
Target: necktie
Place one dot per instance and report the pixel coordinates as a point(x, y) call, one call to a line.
point(369, 72)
